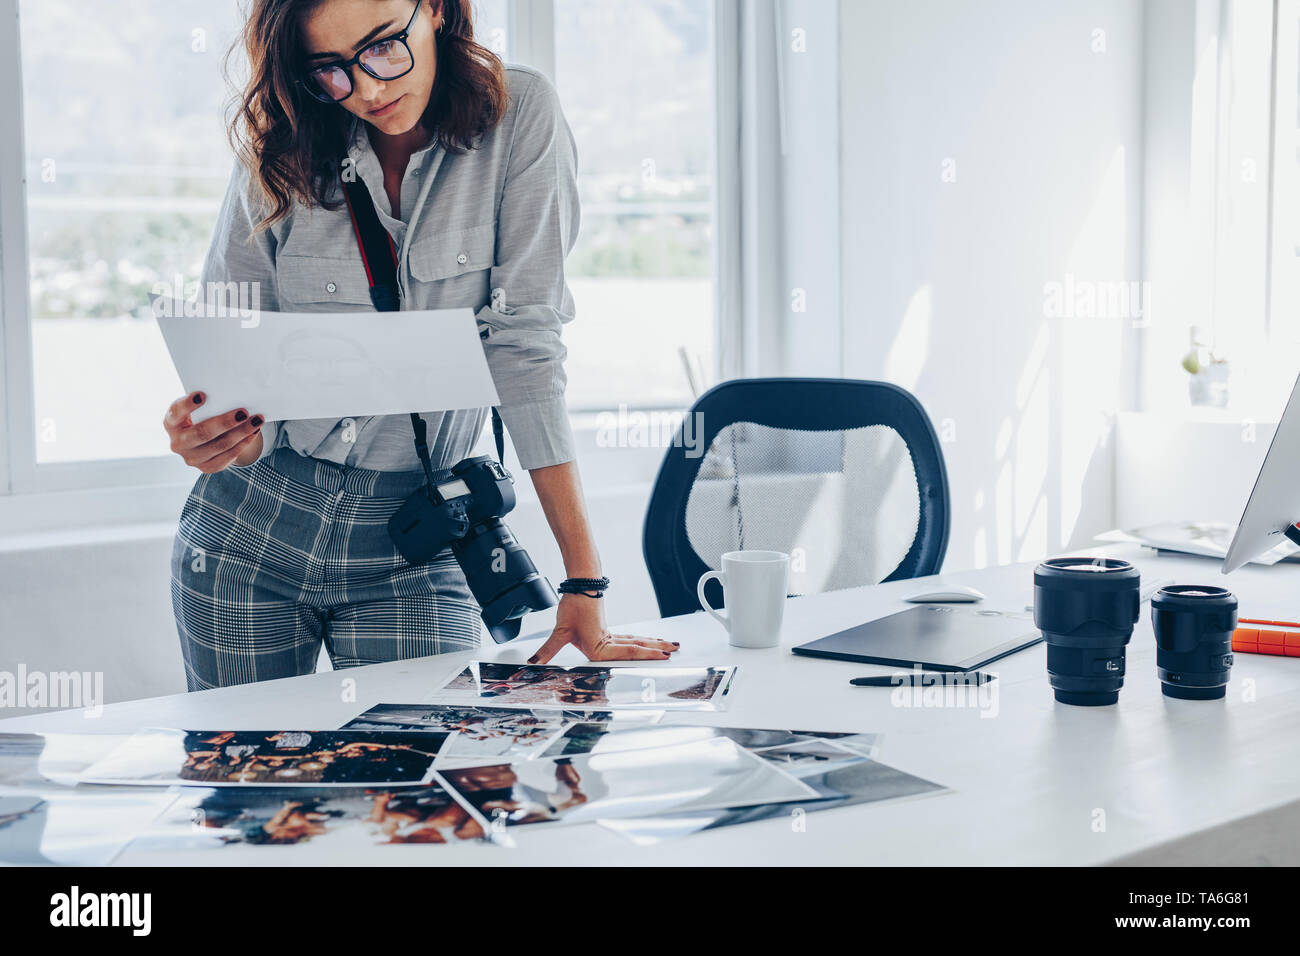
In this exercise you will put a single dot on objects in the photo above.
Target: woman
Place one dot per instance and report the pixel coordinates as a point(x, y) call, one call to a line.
point(283, 541)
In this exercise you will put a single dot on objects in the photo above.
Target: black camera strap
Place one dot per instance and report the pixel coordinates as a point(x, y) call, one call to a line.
point(379, 256)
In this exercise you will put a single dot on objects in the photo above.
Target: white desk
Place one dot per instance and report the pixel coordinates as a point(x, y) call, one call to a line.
point(1026, 783)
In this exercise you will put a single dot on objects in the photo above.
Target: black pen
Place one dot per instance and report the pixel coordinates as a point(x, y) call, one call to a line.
point(925, 678)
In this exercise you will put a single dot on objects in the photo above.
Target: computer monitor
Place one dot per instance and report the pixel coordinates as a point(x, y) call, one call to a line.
point(1274, 505)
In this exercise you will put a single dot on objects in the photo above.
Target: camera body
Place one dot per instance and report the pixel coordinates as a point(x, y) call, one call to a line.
point(464, 512)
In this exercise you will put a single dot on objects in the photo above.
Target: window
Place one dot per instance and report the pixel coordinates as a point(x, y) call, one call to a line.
point(636, 81)
point(124, 146)
point(1221, 196)
point(1257, 274)
point(126, 165)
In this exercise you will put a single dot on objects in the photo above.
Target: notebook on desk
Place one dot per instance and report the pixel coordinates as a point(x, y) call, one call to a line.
point(941, 637)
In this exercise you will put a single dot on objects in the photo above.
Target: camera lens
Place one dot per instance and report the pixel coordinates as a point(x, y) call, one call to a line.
point(1086, 609)
point(502, 578)
point(1193, 628)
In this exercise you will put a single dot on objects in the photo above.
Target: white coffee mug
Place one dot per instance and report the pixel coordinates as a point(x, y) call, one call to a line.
point(755, 584)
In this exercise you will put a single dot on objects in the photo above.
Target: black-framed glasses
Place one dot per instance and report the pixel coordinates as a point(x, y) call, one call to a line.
point(385, 59)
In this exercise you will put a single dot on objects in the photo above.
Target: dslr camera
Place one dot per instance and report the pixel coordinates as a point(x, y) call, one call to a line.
point(465, 512)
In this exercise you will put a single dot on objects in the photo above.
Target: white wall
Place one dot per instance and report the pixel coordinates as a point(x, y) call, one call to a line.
point(988, 150)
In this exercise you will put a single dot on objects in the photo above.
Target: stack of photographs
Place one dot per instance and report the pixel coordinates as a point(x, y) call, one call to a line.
point(707, 774)
point(500, 749)
point(655, 687)
point(689, 778)
point(489, 734)
point(840, 774)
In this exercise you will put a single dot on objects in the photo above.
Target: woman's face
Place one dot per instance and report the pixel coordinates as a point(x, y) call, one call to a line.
point(337, 30)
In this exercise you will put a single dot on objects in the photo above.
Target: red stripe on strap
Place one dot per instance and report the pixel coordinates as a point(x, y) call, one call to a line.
point(356, 230)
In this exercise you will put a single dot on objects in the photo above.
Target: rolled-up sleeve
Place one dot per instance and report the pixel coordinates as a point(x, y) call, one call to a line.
point(237, 255)
point(537, 225)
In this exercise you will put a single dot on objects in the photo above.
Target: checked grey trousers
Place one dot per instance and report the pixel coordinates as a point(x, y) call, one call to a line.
point(272, 559)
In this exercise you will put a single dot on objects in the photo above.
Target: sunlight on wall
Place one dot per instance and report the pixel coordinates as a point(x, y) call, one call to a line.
point(1090, 345)
point(911, 348)
point(1033, 453)
point(1051, 453)
point(1022, 452)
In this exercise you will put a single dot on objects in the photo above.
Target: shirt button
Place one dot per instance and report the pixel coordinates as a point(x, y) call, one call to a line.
point(462, 258)
point(331, 287)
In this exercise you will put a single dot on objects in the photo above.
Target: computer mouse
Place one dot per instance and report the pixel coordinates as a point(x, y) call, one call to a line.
point(949, 594)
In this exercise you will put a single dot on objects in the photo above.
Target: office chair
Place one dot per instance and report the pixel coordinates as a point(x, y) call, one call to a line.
point(845, 476)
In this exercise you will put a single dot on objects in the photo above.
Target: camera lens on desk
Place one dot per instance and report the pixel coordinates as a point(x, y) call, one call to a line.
point(1193, 628)
point(1086, 609)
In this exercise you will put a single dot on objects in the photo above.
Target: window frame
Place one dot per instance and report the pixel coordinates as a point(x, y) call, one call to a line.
point(113, 484)
point(1282, 161)
point(18, 395)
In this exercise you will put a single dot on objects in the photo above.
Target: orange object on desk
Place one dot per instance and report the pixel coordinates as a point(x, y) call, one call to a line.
point(1267, 637)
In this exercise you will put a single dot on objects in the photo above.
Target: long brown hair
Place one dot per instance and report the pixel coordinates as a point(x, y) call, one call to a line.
point(292, 143)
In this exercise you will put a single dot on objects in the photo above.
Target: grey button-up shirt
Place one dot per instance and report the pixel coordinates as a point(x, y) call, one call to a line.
point(486, 229)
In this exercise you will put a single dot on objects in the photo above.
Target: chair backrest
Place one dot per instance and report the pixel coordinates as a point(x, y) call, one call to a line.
point(845, 476)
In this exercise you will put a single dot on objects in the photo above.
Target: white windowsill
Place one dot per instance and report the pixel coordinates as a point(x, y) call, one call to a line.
point(134, 512)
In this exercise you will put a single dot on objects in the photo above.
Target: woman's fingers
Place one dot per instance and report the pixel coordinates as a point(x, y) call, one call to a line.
point(554, 643)
point(655, 642)
point(610, 651)
point(188, 439)
point(212, 444)
point(611, 647)
point(225, 441)
point(179, 411)
point(225, 460)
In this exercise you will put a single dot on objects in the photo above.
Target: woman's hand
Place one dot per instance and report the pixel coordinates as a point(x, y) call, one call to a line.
point(217, 443)
point(580, 621)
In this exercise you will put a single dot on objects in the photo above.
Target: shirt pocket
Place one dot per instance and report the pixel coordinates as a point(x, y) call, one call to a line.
point(453, 268)
point(321, 284)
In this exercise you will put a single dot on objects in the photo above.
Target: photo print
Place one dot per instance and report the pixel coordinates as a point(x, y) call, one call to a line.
point(604, 738)
point(268, 758)
point(289, 816)
point(839, 780)
point(485, 733)
point(85, 826)
point(45, 760)
point(699, 775)
point(634, 687)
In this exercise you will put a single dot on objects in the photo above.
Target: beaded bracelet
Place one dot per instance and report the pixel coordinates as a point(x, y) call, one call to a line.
point(590, 587)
